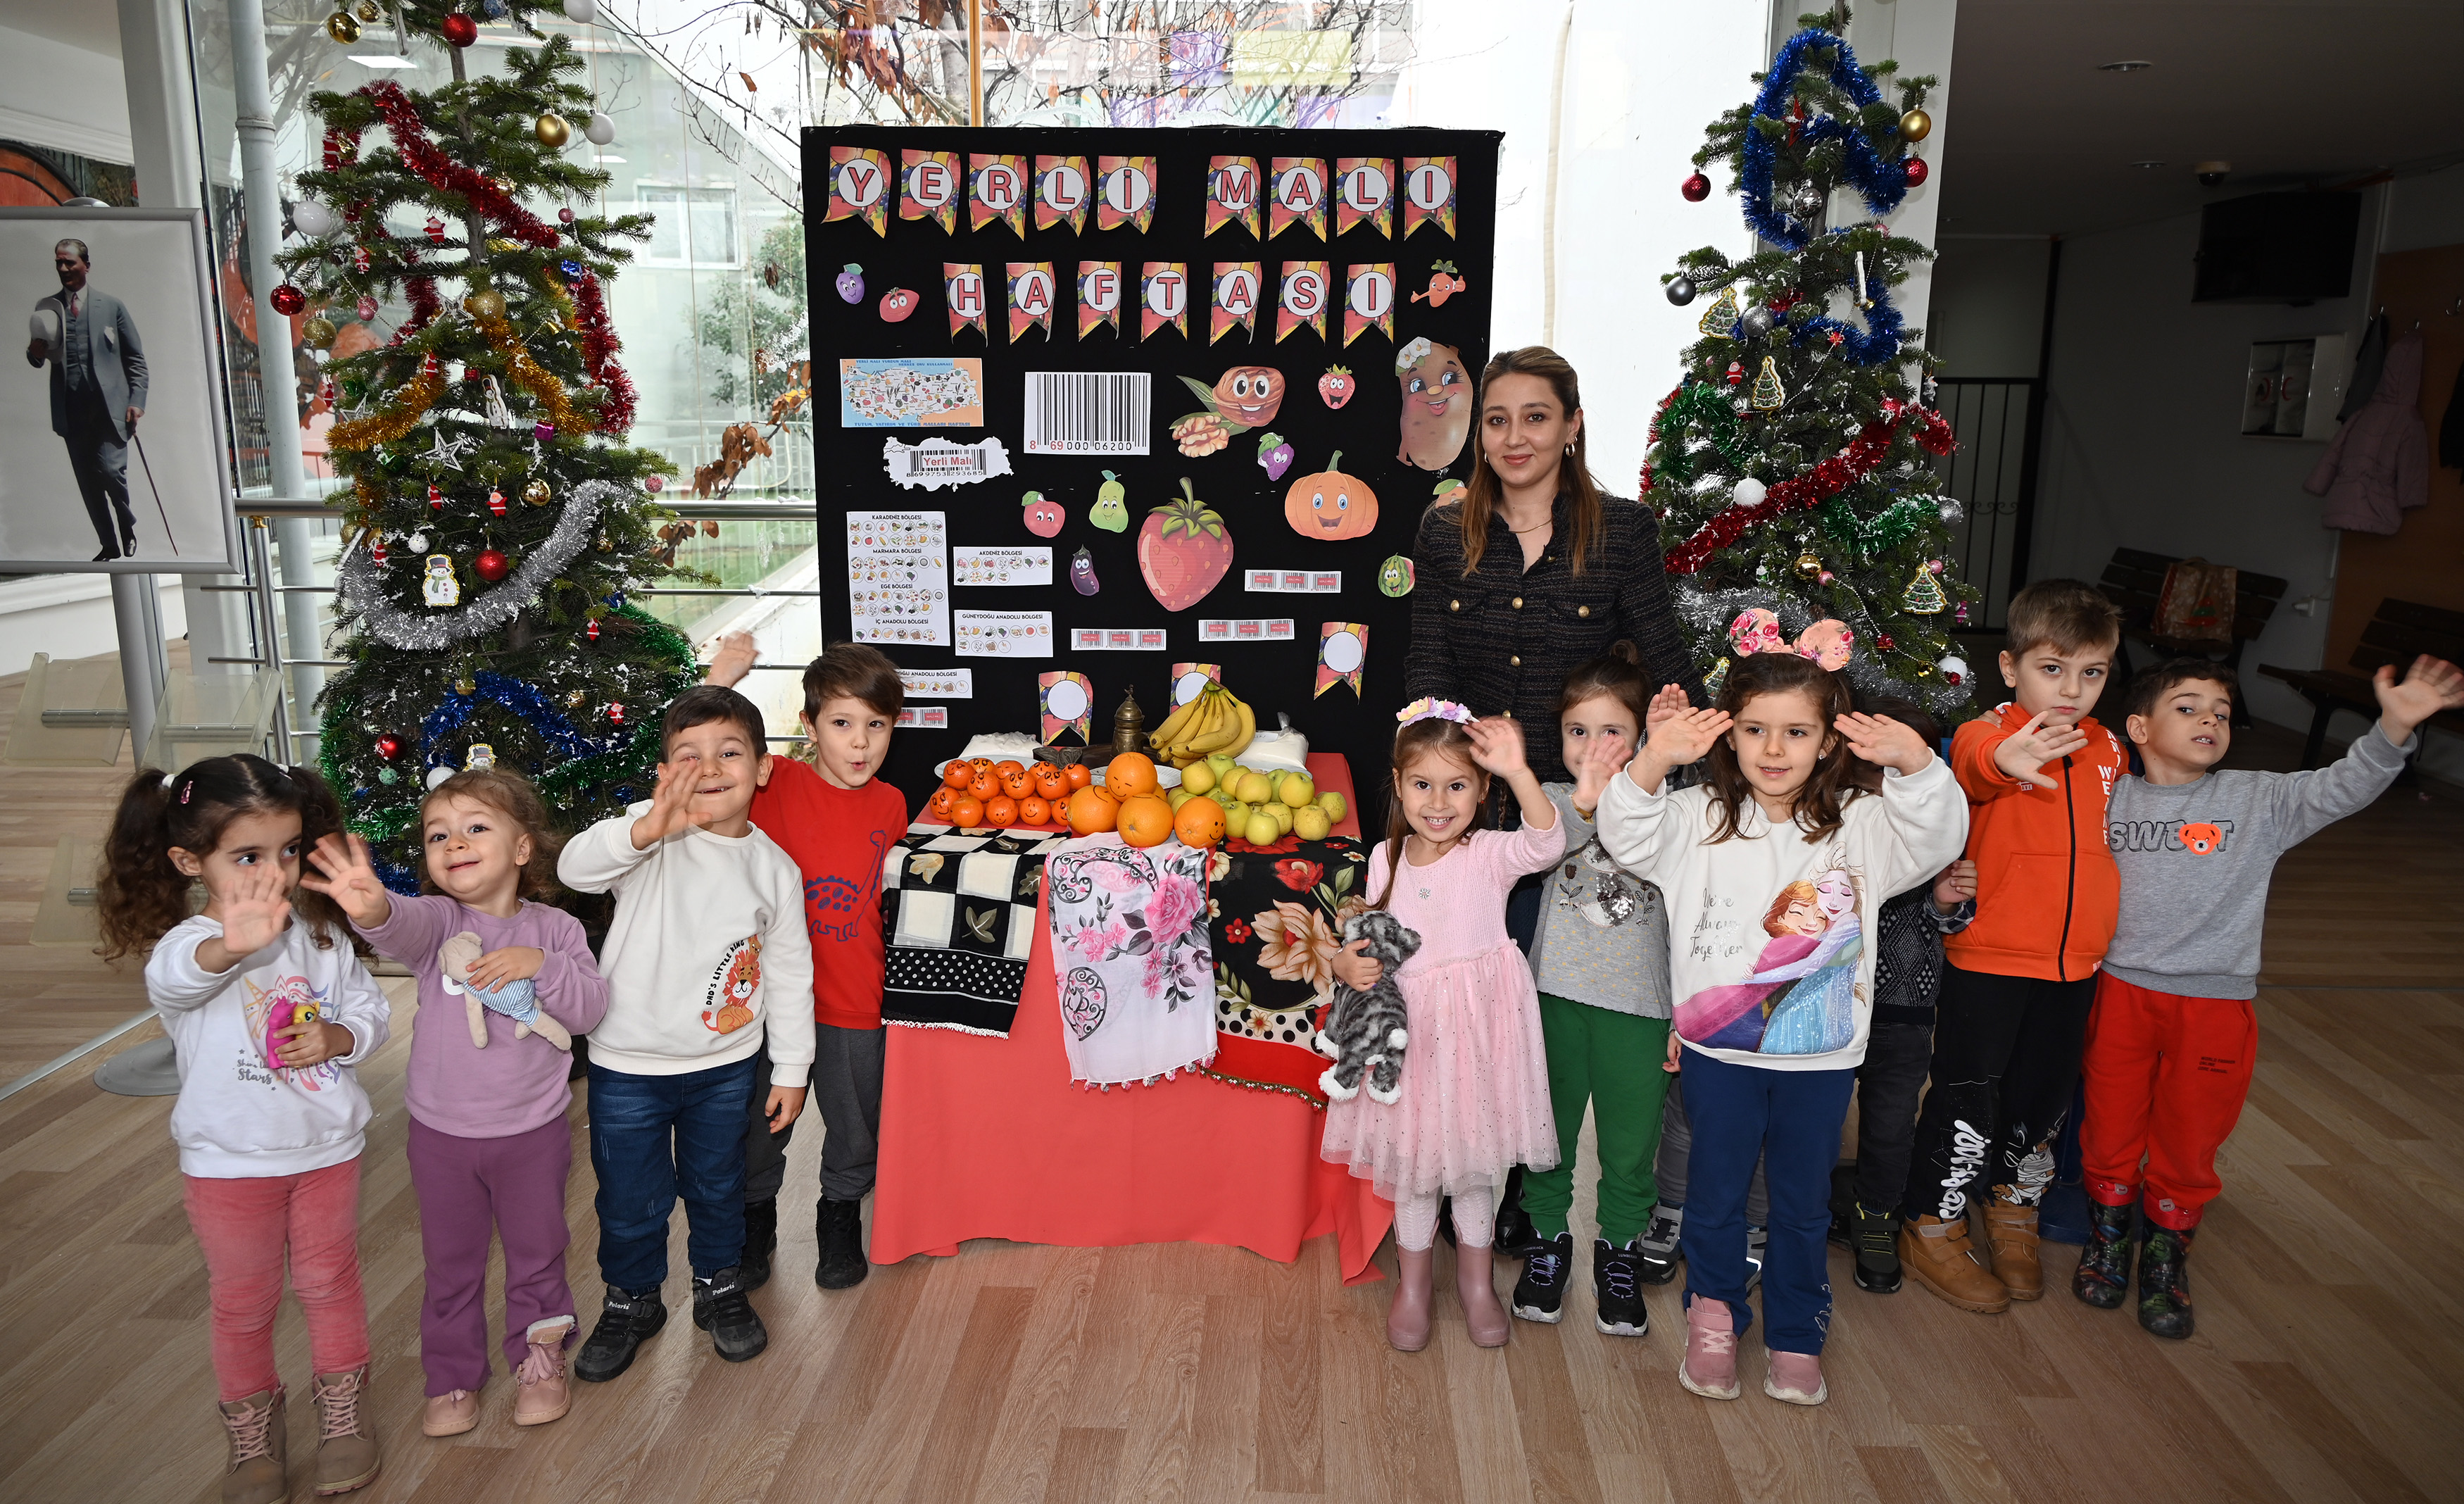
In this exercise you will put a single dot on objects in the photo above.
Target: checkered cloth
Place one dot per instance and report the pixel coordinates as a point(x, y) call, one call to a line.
point(958, 912)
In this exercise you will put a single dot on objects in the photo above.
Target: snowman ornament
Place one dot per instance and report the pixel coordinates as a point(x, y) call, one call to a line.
point(440, 587)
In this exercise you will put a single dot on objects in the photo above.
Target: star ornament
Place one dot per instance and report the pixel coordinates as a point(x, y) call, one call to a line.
point(446, 454)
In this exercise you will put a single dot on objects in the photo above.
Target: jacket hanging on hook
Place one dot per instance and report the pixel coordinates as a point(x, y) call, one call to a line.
point(2378, 467)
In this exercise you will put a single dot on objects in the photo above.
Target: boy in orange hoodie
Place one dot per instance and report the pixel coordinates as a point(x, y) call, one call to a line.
point(2019, 981)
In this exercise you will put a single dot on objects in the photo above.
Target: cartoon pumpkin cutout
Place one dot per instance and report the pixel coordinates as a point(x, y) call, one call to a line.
point(1330, 504)
point(2200, 838)
point(1436, 404)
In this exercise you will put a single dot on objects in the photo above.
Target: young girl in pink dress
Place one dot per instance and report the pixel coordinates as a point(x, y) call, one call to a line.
point(1475, 1082)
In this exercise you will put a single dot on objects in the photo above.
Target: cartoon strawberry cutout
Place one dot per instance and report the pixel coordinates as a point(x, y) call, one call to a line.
point(1184, 550)
point(1336, 386)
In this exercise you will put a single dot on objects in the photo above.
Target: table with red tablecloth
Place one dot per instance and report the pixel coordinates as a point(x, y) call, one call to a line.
point(985, 1136)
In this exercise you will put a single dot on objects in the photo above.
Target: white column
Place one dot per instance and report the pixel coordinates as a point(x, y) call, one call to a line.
point(1917, 33)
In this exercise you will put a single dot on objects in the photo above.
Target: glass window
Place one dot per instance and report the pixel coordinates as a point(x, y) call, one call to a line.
point(696, 226)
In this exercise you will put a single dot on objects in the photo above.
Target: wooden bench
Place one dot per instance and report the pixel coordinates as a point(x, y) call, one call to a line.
point(2401, 631)
point(2133, 581)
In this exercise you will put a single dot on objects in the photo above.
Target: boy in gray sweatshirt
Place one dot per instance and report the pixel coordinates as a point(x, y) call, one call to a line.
point(2172, 1039)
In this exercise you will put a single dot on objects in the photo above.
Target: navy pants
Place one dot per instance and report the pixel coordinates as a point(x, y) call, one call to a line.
point(1790, 1119)
point(653, 1137)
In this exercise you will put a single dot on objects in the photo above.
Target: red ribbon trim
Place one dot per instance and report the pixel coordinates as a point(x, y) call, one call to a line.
point(1815, 486)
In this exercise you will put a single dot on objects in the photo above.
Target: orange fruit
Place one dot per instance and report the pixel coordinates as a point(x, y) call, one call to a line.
point(1050, 782)
point(986, 785)
point(1000, 811)
point(981, 765)
point(957, 774)
point(1033, 809)
point(966, 811)
point(1199, 823)
point(938, 805)
point(1016, 784)
point(1128, 775)
point(1008, 765)
point(1078, 775)
point(1145, 820)
point(1092, 812)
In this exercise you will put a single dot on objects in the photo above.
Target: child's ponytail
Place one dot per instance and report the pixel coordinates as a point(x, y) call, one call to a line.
point(140, 897)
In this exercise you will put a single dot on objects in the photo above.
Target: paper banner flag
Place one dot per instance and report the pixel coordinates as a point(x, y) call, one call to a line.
point(996, 189)
point(1364, 194)
point(1032, 292)
point(1163, 298)
point(1062, 192)
point(1298, 196)
point(1099, 296)
point(860, 187)
point(1368, 299)
point(1342, 651)
point(1189, 680)
point(1232, 190)
point(1069, 703)
point(1126, 193)
point(929, 188)
point(1307, 288)
point(962, 284)
point(1238, 287)
point(1429, 193)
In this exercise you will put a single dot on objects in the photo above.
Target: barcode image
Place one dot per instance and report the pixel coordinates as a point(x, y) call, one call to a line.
point(945, 462)
point(1082, 412)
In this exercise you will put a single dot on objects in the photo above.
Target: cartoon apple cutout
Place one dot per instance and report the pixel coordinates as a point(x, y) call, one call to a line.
point(1330, 504)
point(1044, 519)
point(896, 304)
point(1108, 513)
point(1336, 386)
point(1184, 550)
point(850, 284)
point(1274, 455)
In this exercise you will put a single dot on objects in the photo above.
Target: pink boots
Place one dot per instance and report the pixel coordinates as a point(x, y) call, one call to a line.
point(541, 1392)
point(1407, 1318)
point(1407, 1315)
point(1475, 1283)
point(1795, 1379)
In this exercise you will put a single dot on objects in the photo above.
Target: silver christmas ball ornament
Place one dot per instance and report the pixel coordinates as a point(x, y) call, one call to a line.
point(1757, 320)
point(1680, 290)
point(601, 130)
point(313, 220)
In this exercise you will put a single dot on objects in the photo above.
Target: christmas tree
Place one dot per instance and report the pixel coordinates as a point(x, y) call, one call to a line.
point(1792, 468)
point(494, 521)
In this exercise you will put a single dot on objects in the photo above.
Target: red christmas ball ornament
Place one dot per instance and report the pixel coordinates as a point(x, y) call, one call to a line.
point(564, 216)
point(654, 484)
point(616, 712)
point(288, 299)
point(368, 308)
point(1918, 173)
point(459, 29)
point(1696, 189)
point(1883, 640)
point(388, 747)
point(491, 564)
point(496, 501)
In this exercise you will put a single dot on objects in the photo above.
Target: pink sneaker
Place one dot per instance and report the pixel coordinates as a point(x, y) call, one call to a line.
point(1795, 1379)
point(1709, 1367)
point(449, 1414)
point(541, 1392)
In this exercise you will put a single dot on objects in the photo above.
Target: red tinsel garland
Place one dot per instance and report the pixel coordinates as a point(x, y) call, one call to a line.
point(598, 348)
point(1819, 484)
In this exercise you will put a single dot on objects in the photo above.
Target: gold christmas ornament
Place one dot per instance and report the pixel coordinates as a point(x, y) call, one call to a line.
point(536, 493)
point(342, 27)
point(414, 398)
point(485, 304)
point(528, 373)
point(551, 130)
point(1808, 566)
point(573, 700)
point(368, 10)
point(318, 332)
point(464, 685)
point(505, 185)
point(1916, 125)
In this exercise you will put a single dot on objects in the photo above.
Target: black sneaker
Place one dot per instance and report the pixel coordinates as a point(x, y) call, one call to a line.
point(1540, 1294)
point(1757, 1239)
point(839, 1228)
point(1874, 1238)
point(1656, 1251)
point(630, 1319)
point(1616, 1289)
point(760, 1241)
point(721, 1309)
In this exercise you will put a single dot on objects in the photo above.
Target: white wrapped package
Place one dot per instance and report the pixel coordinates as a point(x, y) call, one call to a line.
point(1286, 749)
point(1000, 746)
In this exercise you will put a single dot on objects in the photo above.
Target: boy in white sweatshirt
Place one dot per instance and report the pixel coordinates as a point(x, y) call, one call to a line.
point(709, 932)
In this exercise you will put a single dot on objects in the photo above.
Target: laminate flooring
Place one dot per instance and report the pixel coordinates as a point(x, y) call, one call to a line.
point(2327, 1278)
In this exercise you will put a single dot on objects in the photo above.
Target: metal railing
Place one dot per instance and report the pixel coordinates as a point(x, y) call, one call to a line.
point(259, 583)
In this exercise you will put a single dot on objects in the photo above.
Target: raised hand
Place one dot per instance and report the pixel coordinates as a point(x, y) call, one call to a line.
point(671, 804)
point(1357, 971)
point(1670, 701)
point(513, 963)
point(1497, 745)
point(2030, 752)
point(349, 878)
point(732, 658)
point(1957, 885)
point(2430, 686)
point(255, 911)
point(1602, 758)
point(1886, 743)
point(1685, 738)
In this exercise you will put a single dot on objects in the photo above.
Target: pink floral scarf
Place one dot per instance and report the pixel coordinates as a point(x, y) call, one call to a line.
point(1131, 959)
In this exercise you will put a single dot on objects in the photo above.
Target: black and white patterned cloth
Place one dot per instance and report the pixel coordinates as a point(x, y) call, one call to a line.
point(958, 914)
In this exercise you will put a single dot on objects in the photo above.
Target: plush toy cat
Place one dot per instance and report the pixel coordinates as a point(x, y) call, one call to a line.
point(1364, 1033)
point(515, 1000)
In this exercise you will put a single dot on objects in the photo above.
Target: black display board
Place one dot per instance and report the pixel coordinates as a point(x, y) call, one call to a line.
point(1440, 292)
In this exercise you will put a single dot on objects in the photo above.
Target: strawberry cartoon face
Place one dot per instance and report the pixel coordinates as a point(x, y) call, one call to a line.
point(2201, 839)
point(1336, 386)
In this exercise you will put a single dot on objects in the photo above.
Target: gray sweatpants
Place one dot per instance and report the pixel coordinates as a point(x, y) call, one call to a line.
point(1675, 1142)
point(847, 1088)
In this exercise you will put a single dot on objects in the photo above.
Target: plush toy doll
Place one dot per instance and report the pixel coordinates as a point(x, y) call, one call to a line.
point(1364, 1033)
point(516, 999)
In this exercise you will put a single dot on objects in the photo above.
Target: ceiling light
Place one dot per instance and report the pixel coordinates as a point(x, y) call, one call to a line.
point(2147, 166)
point(382, 60)
point(2126, 65)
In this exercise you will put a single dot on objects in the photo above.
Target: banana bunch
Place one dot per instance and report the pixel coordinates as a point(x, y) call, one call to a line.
point(1217, 720)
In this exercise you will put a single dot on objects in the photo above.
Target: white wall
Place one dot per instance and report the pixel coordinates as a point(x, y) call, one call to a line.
point(69, 616)
point(55, 95)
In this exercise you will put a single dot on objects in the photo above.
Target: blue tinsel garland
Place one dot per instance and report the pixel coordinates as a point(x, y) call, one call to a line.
point(1883, 181)
point(523, 699)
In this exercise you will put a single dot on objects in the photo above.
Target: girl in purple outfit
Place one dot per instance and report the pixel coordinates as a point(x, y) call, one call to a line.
point(488, 1144)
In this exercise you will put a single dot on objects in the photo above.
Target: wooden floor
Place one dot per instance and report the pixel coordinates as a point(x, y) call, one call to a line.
point(2324, 1369)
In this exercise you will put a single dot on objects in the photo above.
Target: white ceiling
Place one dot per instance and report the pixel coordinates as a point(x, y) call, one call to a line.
point(2291, 91)
point(93, 25)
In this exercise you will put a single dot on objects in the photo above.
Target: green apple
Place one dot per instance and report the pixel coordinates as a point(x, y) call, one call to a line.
point(1297, 790)
point(1310, 824)
point(1235, 814)
point(1253, 789)
point(1221, 764)
point(1198, 777)
point(1262, 831)
point(1332, 803)
point(1178, 797)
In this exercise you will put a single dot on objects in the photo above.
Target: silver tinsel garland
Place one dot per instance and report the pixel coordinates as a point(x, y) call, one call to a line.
point(1708, 612)
point(363, 591)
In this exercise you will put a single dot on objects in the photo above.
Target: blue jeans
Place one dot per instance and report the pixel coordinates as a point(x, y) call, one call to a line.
point(653, 1137)
point(1790, 1119)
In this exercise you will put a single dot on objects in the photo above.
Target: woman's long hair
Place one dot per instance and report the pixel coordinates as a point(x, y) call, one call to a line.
point(1448, 740)
point(1834, 780)
point(1574, 481)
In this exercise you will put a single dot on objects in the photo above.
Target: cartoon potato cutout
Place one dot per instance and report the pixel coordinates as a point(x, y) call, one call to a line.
point(1436, 404)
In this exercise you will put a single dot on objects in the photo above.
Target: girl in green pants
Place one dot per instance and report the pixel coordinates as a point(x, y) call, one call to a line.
point(1602, 958)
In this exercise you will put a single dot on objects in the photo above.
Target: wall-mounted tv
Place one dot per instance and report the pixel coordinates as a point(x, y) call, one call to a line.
point(2277, 248)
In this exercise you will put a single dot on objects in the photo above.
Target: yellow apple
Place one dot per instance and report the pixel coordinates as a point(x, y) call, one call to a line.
point(1310, 824)
point(1262, 831)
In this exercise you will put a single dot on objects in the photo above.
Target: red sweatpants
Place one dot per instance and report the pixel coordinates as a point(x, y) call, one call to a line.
point(249, 1228)
point(2165, 1079)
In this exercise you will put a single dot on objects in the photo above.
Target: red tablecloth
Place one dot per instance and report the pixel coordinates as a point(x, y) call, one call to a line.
point(985, 1138)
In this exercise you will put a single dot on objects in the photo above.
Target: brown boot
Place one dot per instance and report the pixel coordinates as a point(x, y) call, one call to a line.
point(254, 1474)
point(346, 1446)
point(2011, 1236)
point(1939, 1255)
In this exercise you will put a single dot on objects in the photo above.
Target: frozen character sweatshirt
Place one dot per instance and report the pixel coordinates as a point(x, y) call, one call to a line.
point(513, 1085)
point(2196, 859)
point(2046, 890)
point(1603, 935)
point(1770, 957)
point(707, 955)
point(241, 1114)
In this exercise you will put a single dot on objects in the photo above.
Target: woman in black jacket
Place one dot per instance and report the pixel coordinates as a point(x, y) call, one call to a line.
point(1534, 571)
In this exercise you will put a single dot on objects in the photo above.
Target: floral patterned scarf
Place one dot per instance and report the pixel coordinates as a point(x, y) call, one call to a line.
point(1131, 959)
point(1276, 914)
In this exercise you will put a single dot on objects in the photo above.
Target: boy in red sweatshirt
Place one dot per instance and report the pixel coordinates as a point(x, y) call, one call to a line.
point(835, 817)
point(2019, 981)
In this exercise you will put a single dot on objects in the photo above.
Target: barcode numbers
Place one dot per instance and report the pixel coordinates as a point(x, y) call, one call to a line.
point(1074, 412)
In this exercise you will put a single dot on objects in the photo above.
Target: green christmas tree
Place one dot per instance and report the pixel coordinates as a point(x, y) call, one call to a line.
point(1794, 468)
point(496, 521)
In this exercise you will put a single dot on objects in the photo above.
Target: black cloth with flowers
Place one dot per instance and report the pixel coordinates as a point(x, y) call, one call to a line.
point(1275, 917)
